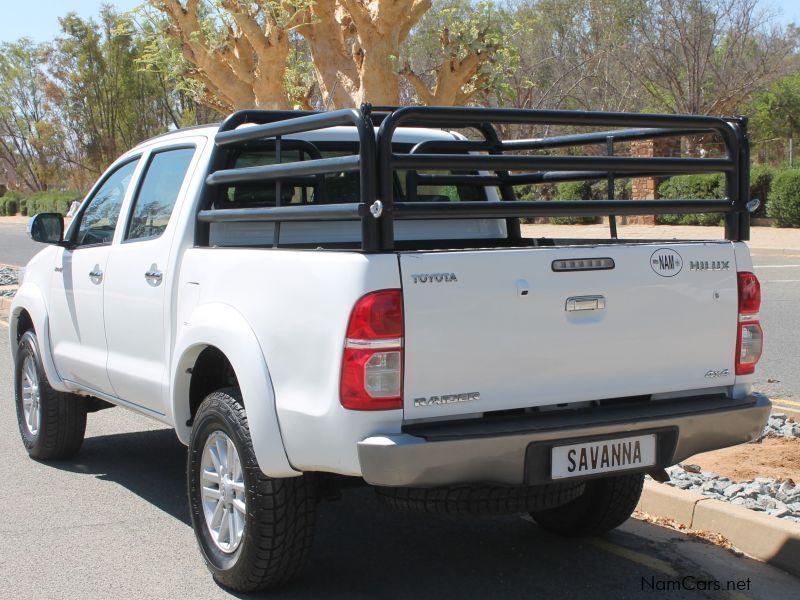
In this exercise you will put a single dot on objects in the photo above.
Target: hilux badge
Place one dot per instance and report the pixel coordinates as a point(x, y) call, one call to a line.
point(709, 265)
point(666, 262)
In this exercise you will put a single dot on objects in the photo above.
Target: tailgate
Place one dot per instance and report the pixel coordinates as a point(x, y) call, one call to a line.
point(489, 330)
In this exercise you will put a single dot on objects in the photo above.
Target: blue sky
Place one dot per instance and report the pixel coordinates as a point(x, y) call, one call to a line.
point(38, 19)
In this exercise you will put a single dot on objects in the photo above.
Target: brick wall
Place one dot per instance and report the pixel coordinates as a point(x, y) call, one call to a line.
point(646, 188)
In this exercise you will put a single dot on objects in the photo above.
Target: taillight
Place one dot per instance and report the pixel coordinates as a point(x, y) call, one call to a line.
point(749, 336)
point(749, 343)
point(372, 363)
point(749, 294)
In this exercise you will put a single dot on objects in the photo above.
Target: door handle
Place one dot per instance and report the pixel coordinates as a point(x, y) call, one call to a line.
point(96, 275)
point(153, 276)
point(577, 303)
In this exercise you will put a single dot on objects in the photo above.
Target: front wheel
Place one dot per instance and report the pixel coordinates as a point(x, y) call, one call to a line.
point(255, 532)
point(52, 424)
point(604, 505)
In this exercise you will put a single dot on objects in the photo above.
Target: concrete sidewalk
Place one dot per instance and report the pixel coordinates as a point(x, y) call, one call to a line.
point(768, 240)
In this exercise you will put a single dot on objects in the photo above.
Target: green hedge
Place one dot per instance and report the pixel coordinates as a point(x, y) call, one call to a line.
point(760, 186)
point(573, 190)
point(38, 202)
point(687, 187)
point(713, 186)
point(784, 199)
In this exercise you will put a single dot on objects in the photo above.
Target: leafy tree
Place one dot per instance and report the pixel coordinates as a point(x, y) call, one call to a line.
point(234, 53)
point(776, 110)
point(459, 52)
point(104, 100)
point(704, 56)
point(28, 134)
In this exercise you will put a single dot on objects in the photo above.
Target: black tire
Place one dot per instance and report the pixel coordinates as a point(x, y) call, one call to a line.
point(280, 513)
point(605, 504)
point(479, 499)
point(58, 433)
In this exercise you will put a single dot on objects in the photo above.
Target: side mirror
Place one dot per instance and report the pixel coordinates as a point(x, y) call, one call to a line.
point(47, 228)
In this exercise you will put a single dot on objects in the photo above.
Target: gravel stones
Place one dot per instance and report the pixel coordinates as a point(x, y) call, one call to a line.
point(776, 497)
point(779, 425)
point(8, 276)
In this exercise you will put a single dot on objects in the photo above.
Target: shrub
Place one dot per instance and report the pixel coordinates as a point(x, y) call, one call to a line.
point(760, 185)
point(59, 202)
point(784, 201)
point(10, 206)
point(689, 187)
point(574, 190)
point(38, 202)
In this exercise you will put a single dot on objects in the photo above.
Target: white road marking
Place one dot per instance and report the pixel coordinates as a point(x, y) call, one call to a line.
point(776, 266)
point(781, 280)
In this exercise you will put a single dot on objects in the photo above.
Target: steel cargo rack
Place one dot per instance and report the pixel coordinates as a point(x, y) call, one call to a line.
point(484, 162)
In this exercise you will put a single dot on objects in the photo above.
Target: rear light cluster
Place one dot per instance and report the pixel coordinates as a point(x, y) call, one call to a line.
point(749, 337)
point(372, 363)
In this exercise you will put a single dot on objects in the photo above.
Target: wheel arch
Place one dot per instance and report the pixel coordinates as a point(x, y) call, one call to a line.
point(29, 311)
point(216, 333)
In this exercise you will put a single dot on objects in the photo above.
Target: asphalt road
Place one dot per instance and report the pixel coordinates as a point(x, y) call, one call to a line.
point(16, 248)
point(777, 373)
point(113, 522)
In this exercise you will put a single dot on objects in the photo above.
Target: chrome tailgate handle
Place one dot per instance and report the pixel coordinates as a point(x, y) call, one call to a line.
point(578, 303)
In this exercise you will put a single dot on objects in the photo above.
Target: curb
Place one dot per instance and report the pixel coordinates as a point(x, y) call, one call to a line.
point(5, 309)
point(766, 538)
point(787, 410)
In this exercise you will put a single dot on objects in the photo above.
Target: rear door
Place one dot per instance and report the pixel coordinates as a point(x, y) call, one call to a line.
point(489, 330)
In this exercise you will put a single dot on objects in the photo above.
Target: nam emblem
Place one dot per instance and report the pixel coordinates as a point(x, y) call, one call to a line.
point(666, 262)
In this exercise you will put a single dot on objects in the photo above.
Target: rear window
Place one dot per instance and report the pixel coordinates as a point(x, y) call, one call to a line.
point(332, 188)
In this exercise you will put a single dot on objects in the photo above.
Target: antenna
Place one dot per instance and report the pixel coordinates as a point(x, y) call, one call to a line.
point(330, 96)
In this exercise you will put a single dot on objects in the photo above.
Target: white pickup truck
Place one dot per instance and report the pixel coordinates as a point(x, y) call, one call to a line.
point(314, 300)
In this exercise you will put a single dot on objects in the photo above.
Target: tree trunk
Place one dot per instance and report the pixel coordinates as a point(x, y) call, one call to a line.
point(380, 81)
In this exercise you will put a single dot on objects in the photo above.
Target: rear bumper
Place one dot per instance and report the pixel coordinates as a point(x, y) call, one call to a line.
point(515, 451)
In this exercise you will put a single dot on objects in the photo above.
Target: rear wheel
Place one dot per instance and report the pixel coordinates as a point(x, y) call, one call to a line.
point(255, 532)
point(52, 424)
point(605, 504)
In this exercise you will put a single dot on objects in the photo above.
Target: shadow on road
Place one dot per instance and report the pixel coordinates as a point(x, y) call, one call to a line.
point(365, 550)
point(151, 464)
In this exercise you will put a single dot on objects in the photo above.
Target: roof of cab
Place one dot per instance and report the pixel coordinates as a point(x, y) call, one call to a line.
point(330, 134)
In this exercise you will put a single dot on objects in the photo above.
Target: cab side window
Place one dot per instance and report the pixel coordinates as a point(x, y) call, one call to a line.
point(158, 193)
point(100, 218)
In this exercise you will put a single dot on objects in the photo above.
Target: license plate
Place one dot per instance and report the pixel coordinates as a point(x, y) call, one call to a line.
point(603, 456)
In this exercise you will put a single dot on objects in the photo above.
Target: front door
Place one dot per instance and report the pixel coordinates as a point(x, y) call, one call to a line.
point(76, 295)
point(138, 278)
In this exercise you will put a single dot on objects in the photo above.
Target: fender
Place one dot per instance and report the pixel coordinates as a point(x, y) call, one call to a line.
point(30, 298)
point(222, 326)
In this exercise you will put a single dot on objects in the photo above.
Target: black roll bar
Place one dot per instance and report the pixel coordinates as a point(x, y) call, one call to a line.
point(275, 125)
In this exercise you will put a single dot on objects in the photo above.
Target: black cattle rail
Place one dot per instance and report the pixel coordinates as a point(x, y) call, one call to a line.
point(488, 164)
